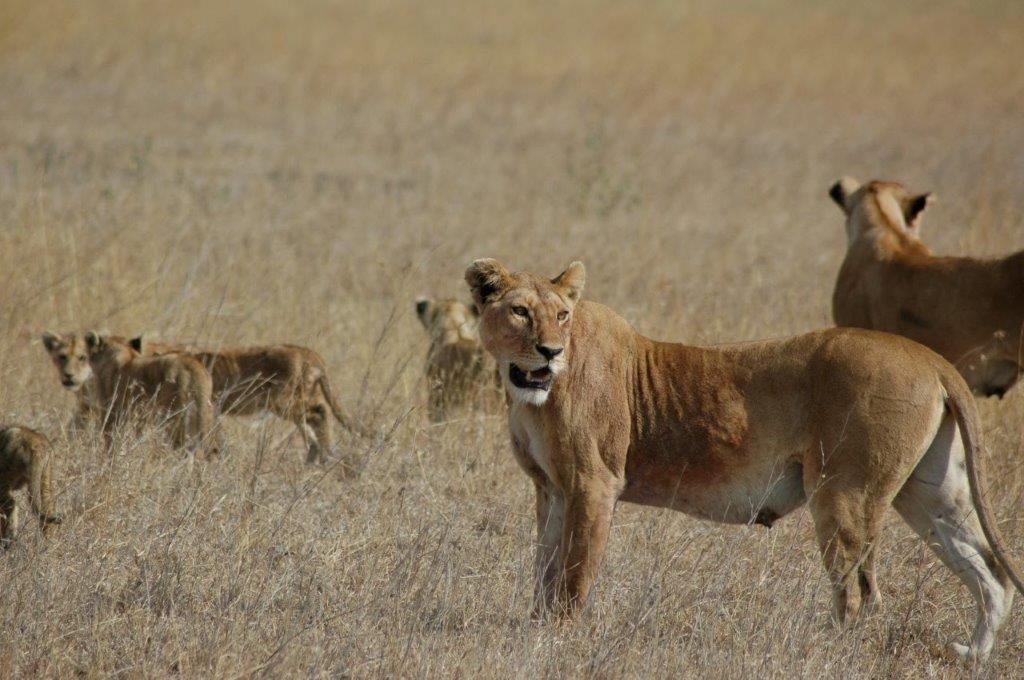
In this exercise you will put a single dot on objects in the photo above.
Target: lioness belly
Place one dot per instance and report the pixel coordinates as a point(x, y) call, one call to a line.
point(757, 494)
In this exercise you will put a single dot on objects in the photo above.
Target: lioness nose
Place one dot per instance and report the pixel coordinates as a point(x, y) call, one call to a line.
point(549, 352)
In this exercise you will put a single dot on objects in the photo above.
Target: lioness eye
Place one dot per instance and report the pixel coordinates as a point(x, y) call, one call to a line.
point(521, 311)
point(563, 315)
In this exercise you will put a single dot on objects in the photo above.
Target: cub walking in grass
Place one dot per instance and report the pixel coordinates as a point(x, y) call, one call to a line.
point(175, 388)
point(286, 380)
point(24, 462)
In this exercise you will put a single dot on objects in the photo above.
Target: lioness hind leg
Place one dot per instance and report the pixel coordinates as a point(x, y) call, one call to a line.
point(936, 503)
point(845, 544)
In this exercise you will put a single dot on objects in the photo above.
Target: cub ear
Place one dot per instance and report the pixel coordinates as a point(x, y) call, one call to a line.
point(841, 192)
point(488, 280)
point(95, 341)
point(50, 340)
point(572, 280)
point(136, 343)
point(422, 308)
point(474, 310)
point(916, 206)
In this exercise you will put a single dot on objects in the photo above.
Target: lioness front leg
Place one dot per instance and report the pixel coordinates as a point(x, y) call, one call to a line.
point(547, 562)
point(588, 519)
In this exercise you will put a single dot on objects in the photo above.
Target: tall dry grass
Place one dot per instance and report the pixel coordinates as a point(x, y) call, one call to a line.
point(233, 172)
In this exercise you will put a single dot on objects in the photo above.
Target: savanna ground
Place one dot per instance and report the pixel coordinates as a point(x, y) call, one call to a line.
point(227, 173)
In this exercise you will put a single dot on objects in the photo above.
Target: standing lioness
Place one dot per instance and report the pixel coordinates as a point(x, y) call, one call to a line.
point(847, 421)
point(958, 306)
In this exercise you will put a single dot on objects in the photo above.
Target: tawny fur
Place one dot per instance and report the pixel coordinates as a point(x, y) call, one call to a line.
point(457, 368)
point(174, 388)
point(847, 421)
point(70, 357)
point(25, 462)
point(287, 380)
point(970, 311)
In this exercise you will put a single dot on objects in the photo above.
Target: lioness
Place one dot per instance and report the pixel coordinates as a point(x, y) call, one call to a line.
point(846, 420)
point(457, 365)
point(286, 380)
point(71, 359)
point(174, 387)
point(890, 281)
point(24, 461)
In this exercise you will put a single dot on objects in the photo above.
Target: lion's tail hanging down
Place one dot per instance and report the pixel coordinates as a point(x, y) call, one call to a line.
point(339, 414)
point(961, 404)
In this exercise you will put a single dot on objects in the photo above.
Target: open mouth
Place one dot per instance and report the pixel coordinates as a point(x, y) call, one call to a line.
point(537, 379)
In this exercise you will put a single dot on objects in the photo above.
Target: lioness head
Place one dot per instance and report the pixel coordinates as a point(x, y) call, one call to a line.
point(525, 323)
point(448, 321)
point(69, 354)
point(879, 205)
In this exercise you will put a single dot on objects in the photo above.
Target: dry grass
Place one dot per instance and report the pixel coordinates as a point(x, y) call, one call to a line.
point(262, 171)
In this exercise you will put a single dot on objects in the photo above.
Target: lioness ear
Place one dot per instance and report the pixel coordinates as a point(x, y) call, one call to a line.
point(916, 206)
point(422, 307)
point(136, 343)
point(488, 280)
point(572, 280)
point(50, 340)
point(842, 190)
point(94, 341)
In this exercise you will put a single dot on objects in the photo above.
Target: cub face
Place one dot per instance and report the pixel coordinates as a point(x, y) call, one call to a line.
point(864, 204)
point(526, 324)
point(448, 321)
point(70, 357)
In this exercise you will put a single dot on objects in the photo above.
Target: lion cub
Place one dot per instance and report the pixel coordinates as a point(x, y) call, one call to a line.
point(70, 357)
point(457, 365)
point(174, 387)
point(24, 461)
point(286, 380)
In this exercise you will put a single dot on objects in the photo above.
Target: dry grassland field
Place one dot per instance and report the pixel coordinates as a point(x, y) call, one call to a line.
point(252, 172)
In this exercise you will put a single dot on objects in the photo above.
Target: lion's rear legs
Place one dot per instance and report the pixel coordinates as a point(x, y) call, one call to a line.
point(315, 426)
point(8, 518)
point(871, 597)
point(848, 545)
point(944, 517)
